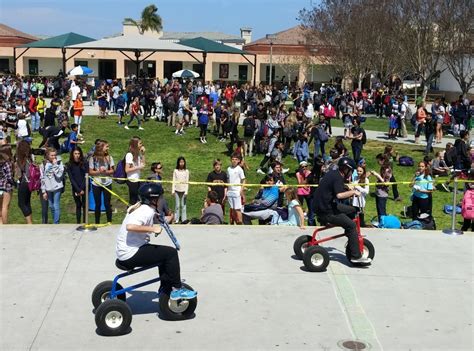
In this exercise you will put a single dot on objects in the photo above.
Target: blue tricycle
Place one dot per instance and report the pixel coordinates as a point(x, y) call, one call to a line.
point(112, 314)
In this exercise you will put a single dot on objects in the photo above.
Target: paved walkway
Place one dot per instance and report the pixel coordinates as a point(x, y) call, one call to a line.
point(418, 293)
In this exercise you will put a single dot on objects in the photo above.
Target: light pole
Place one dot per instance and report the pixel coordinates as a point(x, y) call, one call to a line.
point(271, 37)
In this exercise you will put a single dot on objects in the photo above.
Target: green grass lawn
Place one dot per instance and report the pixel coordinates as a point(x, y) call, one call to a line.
point(164, 146)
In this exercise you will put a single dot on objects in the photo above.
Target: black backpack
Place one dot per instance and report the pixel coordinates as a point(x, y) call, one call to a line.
point(249, 128)
point(364, 137)
point(450, 157)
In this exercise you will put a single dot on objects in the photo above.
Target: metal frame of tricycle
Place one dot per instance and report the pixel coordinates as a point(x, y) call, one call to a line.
point(114, 293)
point(314, 241)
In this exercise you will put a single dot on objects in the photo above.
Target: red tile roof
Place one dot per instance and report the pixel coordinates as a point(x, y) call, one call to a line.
point(6, 31)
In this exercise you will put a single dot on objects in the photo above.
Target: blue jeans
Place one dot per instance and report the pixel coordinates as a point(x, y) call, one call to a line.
point(180, 202)
point(54, 198)
point(35, 121)
point(381, 205)
point(319, 145)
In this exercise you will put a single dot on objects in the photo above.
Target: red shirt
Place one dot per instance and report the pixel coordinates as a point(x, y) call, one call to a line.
point(32, 105)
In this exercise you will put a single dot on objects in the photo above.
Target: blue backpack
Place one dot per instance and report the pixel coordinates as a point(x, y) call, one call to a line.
point(412, 225)
point(406, 161)
point(388, 222)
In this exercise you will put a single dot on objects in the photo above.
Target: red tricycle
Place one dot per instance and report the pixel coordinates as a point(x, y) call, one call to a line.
point(316, 258)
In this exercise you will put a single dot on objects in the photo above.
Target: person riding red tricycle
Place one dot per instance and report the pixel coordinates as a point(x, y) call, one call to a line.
point(331, 212)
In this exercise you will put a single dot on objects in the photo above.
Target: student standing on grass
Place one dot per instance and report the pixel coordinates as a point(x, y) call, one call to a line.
point(217, 177)
point(381, 190)
point(134, 163)
point(76, 170)
point(135, 113)
point(101, 164)
point(422, 189)
point(180, 189)
point(235, 193)
point(78, 111)
point(361, 184)
point(23, 160)
point(6, 181)
point(203, 121)
point(52, 183)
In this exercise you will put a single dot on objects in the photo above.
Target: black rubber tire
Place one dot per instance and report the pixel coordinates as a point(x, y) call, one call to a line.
point(113, 318)
point(102, 290)
point(316, 259)
point(300, 245)
point(369, 251)
point(177, 310)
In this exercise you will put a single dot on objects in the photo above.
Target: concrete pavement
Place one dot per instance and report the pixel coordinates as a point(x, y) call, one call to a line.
point(252, 293)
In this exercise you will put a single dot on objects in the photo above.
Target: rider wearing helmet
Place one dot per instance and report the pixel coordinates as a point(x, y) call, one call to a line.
point(134, 250)
point(329, 209)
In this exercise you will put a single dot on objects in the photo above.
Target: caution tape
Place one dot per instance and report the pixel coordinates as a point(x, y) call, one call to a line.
point(110, 191)
point(436, 180)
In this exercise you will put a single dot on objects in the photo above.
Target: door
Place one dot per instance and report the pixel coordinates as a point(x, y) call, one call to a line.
point(150, 68)
point(169, 67)
point(243, 73)
point(107, 69)
point(267, 74)
point(33, 67)
point(199, 68)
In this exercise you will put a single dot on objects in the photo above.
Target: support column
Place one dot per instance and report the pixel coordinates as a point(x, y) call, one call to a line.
point(63, 51)
point(137, 62)
point(204, 62)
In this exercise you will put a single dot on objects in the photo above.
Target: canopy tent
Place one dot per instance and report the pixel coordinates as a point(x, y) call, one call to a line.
point(214, 47)
point(138, 44)
point(57, 42)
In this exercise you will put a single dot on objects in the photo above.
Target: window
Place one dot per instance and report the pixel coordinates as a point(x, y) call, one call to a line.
point(81, 63)
point(4, 65)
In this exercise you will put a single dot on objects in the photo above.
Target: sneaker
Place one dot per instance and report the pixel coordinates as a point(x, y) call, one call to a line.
point(176, 131)
point(140, 128)
point(445, 187)
point(126, 127)
point(259, 171)
point(361, 260)
point(285, 170)
point(183, 294)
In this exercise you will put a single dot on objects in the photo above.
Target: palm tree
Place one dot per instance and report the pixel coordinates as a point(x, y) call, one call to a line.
point(150, 20)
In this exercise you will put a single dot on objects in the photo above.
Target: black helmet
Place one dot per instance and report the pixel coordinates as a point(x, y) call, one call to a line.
point(149, 191)
point(346, 163)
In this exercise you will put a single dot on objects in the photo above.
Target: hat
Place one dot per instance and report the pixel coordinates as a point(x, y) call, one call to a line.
point(303, 164)
point(361, 161)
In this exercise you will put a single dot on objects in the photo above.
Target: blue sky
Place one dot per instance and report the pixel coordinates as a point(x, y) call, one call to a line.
point(99, 18)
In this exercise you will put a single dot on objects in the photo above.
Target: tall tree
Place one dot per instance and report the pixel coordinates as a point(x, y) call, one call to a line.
point(149, 21)
point(459, 50)
point(421, 41)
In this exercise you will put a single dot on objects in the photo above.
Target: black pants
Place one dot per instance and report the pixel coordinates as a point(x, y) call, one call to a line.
point(203, 128)
point(133, 192)
point(44, 209)
point(356, 151)
point(381, 205)
point(80, 208)
point(165, 256)
point(24, 199)
point(264, 161)
point(419, 206)
point(350, 230)
point(328, 125)
point(97, 192)
point(466, 224)
point(396, 194)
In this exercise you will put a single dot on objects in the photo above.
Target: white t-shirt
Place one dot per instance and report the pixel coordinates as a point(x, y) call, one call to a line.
point(22, 130)
point(74, 91)
point(129, 161)
point(128, 242)
point(235, 176)
point(115, 91)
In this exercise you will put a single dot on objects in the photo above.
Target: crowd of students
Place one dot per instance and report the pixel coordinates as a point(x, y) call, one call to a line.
point(269, 128)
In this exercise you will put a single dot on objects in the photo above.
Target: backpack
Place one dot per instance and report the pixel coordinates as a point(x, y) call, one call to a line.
point(413, 120)
point(448, 209)
point(412, 225)
point(249, 129)
point(406, 161)
point(428, 222)
point(329, 111)
point(119, 172)
point(390, 221)
point(34, 178)
point(467, 207)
